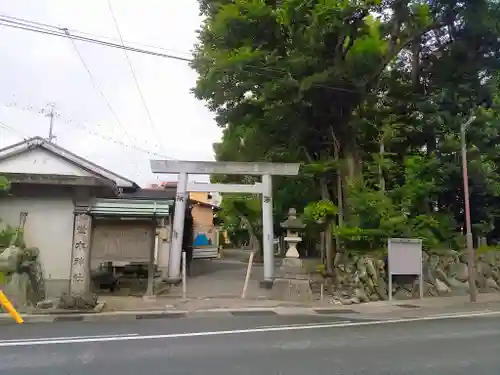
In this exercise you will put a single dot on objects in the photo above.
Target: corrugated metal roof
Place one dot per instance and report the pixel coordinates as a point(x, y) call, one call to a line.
point(127, 207)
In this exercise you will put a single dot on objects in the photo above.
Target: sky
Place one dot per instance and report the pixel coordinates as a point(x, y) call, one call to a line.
point(37, 70)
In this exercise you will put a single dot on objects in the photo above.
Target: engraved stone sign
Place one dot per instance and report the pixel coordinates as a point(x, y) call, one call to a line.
point(80, 264)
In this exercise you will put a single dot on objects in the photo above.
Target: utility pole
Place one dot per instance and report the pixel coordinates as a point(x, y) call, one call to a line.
point(468, 227)
point(51, 116)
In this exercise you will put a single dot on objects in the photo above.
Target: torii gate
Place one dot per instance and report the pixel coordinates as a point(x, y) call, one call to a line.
point(184, 168)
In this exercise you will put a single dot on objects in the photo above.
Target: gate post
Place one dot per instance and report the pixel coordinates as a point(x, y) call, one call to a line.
point(267, 228)
point(174, 260)
point(164, 245)
point(266, 170)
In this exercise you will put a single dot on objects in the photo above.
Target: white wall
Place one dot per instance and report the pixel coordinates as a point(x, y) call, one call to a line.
point(39, 161)
point(49, 226)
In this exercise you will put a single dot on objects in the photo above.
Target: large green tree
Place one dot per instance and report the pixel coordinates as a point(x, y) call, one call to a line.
point(370, 93)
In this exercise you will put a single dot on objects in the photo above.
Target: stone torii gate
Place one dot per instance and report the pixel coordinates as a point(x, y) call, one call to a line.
point(184, 168)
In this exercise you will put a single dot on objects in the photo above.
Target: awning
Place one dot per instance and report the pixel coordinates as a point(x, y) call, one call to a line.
point(126, 207)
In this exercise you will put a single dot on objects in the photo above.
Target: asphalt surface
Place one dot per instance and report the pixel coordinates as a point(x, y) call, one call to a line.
point(251, 345)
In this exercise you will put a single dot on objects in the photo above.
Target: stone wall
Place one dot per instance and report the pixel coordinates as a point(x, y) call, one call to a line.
point(364, 278)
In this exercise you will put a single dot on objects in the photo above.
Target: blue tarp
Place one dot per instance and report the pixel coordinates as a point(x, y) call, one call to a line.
point(201, 240)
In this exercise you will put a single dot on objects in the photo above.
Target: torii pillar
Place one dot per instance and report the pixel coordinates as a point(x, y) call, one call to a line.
point(185, 168)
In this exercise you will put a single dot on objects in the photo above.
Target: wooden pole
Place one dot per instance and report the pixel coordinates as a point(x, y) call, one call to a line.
point(184, 271)
point(247, 276)
point(468, 227)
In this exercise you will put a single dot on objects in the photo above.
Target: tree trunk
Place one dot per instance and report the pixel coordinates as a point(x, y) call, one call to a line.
point(351, 167)
point(353, 159)
point(322, 247)
point(353, 171)
point(415, 63)
point(380, 169)
point(340, 197)
point(329, 250)
point(254, 240)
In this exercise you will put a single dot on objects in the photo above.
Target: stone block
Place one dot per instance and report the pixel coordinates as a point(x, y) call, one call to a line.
point(292, 268)
point(294, 290)
point(78, 301)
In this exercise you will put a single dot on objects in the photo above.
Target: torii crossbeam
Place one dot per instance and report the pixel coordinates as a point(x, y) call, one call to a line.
point(185, 168)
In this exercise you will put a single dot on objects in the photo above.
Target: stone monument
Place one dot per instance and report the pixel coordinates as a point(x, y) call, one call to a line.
point(22, 271)
point(292, 283)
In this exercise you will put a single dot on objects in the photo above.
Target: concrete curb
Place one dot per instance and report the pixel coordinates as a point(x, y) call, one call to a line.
point(379, 310)
point(176, 314)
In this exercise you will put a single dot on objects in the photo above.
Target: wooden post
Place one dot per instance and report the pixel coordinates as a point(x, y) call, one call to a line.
point(247, 276)
point(151, 263)
point(184, 278)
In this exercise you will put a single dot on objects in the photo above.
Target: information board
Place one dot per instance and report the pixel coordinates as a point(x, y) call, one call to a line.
point(405, 258)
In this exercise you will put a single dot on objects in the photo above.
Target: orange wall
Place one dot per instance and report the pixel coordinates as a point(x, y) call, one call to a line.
point(199, 196)
point(202, 216)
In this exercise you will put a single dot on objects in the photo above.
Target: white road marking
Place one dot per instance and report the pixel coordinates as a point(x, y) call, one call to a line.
point(306, 324)
point(68, 337)
point(113, 338)
point(462, 313)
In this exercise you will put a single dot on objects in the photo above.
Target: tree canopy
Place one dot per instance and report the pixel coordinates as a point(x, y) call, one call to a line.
point(369, 95)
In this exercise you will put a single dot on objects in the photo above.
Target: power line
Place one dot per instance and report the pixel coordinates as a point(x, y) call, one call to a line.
point(13, 130)
point(96, 36)
point(96, 85)
point(31, 109)
point(25, 137)
point(25, 21)
point(144, 104)
point(39, 29)
point(33, 26)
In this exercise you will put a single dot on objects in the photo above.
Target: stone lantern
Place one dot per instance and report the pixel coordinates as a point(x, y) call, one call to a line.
point(292, 225)
point(292, 282)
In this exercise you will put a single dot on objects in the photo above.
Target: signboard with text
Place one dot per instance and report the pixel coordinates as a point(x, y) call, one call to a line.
point(405, 258)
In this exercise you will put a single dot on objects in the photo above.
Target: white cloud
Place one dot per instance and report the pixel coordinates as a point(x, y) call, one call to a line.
point(36, 69)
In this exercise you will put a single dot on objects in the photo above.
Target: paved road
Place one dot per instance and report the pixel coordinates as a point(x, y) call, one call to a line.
point(250, 345)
